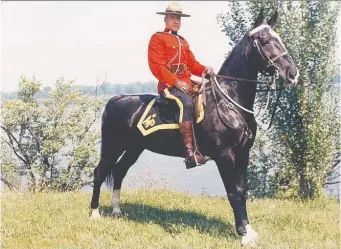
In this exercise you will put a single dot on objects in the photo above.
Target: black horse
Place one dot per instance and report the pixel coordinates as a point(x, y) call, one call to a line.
point(261, 49)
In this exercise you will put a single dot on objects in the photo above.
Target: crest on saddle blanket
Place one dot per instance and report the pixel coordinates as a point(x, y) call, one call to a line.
point(164, 114)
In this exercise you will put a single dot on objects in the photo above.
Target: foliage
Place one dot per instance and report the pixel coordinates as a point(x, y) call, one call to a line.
point(105, 89)
point(10, 171)
point(53, 140)
point(260, 173)
point(306, 131)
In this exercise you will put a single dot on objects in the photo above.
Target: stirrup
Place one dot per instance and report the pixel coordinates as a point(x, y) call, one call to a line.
point(205, 158)
point(189, 165)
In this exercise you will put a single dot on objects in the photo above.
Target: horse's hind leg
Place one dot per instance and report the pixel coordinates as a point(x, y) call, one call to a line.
point(119, 171)
point(100, 173)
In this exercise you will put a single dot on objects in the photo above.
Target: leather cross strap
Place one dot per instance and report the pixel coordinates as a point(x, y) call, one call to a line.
point(170, 62)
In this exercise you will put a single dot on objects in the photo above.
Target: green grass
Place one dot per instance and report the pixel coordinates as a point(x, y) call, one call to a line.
point(162, 219)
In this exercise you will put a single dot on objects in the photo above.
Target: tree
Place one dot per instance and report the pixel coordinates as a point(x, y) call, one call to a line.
point(53, 140)
point(305, 136)
point(10, 171)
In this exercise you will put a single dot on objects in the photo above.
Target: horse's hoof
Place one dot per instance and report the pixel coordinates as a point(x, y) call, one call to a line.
point(117, 213)
point(249, 240)
point(248, 245)
point(94, 214)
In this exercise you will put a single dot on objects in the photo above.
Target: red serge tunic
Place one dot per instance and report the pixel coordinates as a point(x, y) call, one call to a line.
point(163, 46)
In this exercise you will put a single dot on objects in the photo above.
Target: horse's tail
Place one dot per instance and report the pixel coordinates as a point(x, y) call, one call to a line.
point(109, 179)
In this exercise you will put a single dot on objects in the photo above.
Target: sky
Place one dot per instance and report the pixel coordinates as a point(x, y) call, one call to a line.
point(83, 41)
point(89, 40)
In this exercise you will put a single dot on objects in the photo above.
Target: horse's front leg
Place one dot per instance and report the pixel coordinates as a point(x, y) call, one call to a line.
point(241, 163)
point(232, 169)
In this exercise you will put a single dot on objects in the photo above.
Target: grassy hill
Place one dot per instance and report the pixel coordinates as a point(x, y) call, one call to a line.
point(162, 219)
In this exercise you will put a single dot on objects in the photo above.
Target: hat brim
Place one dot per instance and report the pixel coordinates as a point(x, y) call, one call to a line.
point(173, 13)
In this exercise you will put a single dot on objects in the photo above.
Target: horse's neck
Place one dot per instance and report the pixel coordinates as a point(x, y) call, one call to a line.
point(238, 65)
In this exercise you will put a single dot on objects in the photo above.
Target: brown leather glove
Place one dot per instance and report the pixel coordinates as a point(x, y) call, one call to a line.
point(209, 73)
point(209, 70)
point(195, 88)
point(182, 86)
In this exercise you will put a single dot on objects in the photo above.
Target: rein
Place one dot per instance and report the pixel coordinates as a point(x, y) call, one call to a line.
point(241, 79)
point(229, 105)
point(269, 83)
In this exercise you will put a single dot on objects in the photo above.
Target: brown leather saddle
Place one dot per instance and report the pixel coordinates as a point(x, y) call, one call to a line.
point(163, 113)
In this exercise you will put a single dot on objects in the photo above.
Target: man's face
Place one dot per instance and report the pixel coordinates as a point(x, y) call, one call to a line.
point(173, 22)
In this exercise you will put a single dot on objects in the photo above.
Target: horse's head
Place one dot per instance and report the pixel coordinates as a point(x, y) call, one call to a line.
point(268, 52)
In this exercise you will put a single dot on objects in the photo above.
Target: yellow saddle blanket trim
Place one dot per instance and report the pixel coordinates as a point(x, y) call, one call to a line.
point(147, 125)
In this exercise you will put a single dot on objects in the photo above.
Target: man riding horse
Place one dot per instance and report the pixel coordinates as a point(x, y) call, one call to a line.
point(172, 62)
point(227, 132)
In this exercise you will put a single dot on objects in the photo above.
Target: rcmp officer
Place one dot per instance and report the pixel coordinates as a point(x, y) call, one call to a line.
point(172, 62)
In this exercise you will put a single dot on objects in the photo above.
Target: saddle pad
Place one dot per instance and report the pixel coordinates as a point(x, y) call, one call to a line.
point(163, 115)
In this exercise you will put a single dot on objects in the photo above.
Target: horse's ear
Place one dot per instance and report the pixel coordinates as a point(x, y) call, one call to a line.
point(273, 20)
point(260, 18)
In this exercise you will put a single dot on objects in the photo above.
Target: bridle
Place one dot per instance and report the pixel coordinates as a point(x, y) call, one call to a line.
point(270, 63)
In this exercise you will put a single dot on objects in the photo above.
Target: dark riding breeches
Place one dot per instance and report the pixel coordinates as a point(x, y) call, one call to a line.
point(183, 100)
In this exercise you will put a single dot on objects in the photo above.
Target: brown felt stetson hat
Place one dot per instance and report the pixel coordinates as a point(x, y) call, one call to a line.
point(173, 8)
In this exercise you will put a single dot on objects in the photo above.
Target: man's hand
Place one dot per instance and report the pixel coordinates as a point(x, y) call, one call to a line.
point(195, 88)
point(182, 86)
point(209, 71)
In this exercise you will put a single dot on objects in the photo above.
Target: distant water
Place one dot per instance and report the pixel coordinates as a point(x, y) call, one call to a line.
point(160, 171)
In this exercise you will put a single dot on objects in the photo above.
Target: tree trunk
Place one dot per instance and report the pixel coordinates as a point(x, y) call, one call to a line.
point(304, 190)
point(8, 184)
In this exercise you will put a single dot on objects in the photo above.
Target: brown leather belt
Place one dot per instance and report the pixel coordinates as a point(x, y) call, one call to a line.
point(181, 70)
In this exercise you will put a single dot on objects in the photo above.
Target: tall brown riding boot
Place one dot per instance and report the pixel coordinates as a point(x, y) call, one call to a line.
point(192, 159)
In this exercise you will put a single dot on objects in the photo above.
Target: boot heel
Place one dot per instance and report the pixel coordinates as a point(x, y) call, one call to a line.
point(190, 165)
